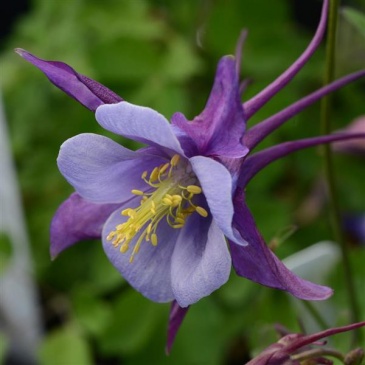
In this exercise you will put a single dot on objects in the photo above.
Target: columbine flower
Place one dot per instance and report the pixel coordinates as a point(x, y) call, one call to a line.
point(294, 349)
point(164, 212)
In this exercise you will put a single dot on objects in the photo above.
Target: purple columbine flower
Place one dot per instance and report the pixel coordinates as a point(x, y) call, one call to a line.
point(166, 211)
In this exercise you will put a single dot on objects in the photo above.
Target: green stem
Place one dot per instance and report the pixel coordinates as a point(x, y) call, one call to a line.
point(329, 169)
point(316, 315)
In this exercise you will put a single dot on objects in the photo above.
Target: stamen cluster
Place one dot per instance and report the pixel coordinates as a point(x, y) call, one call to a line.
point(171, 198)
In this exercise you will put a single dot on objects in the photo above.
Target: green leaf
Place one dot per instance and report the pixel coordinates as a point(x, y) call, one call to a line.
point(65, 346)
point(133, 323)
point(356, 18)
point(92, 313)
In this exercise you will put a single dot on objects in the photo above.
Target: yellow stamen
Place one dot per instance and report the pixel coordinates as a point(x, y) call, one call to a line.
point(154, 174)
point(137, 192)
point(154, 239)
point(171, 198)
point(175, 160)
point(193, 189)
point(201, 211)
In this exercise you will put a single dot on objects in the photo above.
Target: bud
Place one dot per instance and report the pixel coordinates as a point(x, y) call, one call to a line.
point(354, 357)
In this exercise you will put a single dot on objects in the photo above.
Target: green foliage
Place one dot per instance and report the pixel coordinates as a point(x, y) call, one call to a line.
point(65, 346)
point(163, 54)
point(5, 252)
point(4, 342)
point(356, 18)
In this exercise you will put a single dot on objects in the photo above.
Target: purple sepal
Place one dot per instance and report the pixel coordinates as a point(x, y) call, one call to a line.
point(256, 162)
point(257, 262)
point(259, 131)
point(88, 92)
point(177, 315)
point(77, 219)
point(218, 130)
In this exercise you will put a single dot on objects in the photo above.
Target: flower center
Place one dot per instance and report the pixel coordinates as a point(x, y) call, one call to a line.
point(174, 187)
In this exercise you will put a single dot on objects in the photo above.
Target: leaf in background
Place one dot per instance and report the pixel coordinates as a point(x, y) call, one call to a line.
point(4, 343)
point(92, 313)
point(356, 18)
point(133, 323)
point(65, 346)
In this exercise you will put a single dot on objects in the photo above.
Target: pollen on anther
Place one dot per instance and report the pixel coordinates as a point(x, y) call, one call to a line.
point(125, 212)
point(124, 248)
point(167, 201)
point(164, 168)
point(154, 174)
point(154, 239)
point(194, 189)
point(175, 160)
point(137, 192)
point(201, 211)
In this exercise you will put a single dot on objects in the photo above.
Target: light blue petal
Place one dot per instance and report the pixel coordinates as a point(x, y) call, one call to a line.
point(101, 170)
point(216, 182)
point(150, 271)
point(138, 123)
point(201, 262)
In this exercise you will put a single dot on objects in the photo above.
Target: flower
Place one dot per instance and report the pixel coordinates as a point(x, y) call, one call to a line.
point(292, 349)
point(164, 212)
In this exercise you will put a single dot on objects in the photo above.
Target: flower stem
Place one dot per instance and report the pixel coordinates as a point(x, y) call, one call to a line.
point(329, 168)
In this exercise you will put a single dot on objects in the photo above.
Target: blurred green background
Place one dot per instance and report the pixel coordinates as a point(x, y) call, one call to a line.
point(163, 54)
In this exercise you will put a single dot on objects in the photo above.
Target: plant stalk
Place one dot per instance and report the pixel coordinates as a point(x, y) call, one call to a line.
point(335, 214)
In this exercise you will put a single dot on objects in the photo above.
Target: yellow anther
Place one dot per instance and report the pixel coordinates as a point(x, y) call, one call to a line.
point(110, 236)
point(164, 168)
point(144, 174)
point(154, 239)
point(175, 160)
point(177, 198)
point(137, 192)
point(149, 228)
point(124, 247)
point(177, 225)
point(193, 189)
point(125, 211)
point(167, 201)
point(201, 211)
point(154, 174)
point(180, 220)
point(132, 213)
